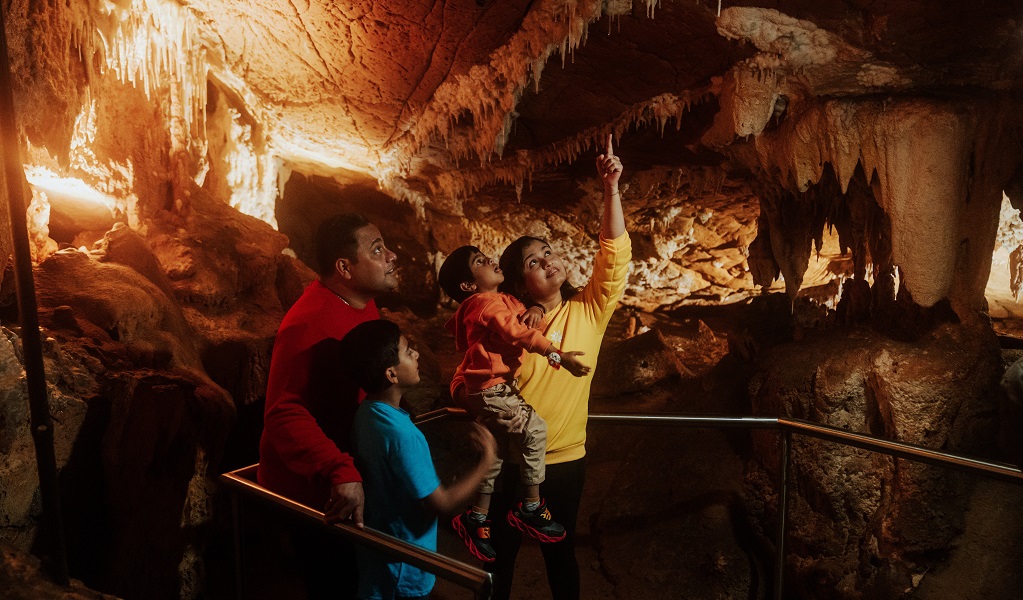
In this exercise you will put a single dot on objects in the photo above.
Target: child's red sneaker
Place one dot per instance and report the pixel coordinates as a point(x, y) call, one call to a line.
point(537, 523)
point(476, 536)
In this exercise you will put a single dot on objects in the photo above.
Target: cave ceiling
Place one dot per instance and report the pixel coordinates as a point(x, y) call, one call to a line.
point(727, 114)
point(415, 88)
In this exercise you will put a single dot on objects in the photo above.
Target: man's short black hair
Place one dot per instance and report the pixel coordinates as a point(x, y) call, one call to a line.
point(367, 352)
point(335, 238)
point(455, 271)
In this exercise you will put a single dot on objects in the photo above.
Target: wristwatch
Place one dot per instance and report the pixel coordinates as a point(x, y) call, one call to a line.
point(554, 359)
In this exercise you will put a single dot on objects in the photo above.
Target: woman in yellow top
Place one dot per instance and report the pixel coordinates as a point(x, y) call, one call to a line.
point(535, 274)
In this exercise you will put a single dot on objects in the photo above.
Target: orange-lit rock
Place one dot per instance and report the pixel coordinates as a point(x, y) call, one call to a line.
point(855, 151)
point(851, 508)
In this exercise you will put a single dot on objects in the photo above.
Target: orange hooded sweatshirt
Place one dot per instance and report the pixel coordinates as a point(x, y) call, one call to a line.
point(486, 326)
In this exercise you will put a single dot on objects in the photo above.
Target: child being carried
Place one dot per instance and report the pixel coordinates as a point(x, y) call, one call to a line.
point(488, 327)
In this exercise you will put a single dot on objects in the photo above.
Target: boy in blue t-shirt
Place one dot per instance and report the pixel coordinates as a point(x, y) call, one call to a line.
point(403, 493)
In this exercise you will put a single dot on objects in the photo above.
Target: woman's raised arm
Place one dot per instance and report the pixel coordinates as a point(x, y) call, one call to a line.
point(609, 167)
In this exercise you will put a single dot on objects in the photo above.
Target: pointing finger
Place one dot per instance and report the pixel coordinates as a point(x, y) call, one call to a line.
point(610, 148)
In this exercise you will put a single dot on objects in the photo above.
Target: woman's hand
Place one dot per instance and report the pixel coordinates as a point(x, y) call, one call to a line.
point(570, 360)
point(609, 167)
point(533, 317)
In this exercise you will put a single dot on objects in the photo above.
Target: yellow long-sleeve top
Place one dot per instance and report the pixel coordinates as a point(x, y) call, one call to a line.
point(577, 324)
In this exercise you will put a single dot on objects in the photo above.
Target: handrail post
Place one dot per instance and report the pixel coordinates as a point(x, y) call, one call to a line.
point(31, 343)
point(785, 443)
point(236, 519)
point(488, 588)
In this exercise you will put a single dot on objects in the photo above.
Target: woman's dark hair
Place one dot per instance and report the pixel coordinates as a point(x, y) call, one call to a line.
point(512, 267)
point(335, 238)
point(455, 271)
point(367, 352)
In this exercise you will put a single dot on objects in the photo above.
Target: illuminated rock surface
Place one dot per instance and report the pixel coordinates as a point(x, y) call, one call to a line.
point(861, 157)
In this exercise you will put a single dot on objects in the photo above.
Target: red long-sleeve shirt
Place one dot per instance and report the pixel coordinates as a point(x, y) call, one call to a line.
point(486, 326)
point(309, 403)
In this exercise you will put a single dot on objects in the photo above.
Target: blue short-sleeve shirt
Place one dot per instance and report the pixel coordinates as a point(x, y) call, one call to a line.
point(397, 473)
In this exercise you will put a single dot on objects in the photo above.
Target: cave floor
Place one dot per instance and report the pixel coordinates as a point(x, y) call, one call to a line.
point(985, 562)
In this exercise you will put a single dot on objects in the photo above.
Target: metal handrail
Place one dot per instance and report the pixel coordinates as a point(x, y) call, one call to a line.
point(686, 420)
point(995, 470)
point(788, 427)
point(992, 470)
point(439, 415)
point(480, 582)
point(240, 481)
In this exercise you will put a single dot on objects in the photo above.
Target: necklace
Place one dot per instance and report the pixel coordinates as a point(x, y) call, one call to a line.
point(339, 296)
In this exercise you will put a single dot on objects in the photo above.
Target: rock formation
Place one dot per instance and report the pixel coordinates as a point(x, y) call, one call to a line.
point(861, 157)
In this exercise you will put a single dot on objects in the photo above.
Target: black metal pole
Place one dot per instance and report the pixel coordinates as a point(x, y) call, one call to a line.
point(236, 518)
point(42, 425)
point(785, 442)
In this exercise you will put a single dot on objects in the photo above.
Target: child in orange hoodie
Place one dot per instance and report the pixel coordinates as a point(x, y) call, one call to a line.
point(488, 327)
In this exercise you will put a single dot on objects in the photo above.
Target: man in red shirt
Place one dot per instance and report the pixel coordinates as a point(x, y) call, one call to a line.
point(305, 448)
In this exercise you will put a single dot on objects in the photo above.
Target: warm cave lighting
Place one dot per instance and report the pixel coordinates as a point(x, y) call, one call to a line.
point(75, 208)
point(1005, 284)
point(152, 44)
point(68, 189)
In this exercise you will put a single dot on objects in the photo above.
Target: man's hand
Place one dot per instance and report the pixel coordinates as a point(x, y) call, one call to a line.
point(346, 502)
point(570, 360)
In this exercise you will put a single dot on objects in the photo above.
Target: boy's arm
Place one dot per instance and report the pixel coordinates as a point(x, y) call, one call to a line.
point(500, 319)
point(448, 499)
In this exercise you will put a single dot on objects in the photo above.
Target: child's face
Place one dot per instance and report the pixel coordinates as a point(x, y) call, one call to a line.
point(407, 370)
point(485, 272)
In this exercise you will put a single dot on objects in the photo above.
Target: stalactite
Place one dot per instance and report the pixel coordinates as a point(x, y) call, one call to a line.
point(919, 152)
point(651, 5)
point(511, 68)
point(154, 45)
point(910, 184)
point(658, 111)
